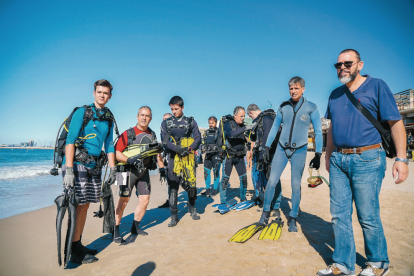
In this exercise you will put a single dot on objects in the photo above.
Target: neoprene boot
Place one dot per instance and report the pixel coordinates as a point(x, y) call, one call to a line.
point(264, 219)
point(79, 257)
point(193, 212)
point(117, 238)
point(276, 213)
point(165, 205)
point(214, 192)
point(174, 220)
point(206, 192)
point(87, 250)
point(292, 224)
point(136, 230)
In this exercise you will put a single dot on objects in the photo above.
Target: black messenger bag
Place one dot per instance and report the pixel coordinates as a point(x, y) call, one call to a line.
point(384, 129)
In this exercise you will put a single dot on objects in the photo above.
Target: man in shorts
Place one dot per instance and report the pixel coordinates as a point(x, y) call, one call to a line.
point(130, 176)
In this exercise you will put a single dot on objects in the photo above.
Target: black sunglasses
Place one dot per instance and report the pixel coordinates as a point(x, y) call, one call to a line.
point(347, 64)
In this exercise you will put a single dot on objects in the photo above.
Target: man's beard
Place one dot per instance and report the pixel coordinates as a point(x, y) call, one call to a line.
point(351, 77)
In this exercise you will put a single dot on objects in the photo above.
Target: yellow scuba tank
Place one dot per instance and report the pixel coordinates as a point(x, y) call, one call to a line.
point(184, 166)
point(141, 150)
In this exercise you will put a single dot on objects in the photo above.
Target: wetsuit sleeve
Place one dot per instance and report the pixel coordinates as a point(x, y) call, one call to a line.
point(165, 138)
point(233, 133)
point(267, 126)
point(197, 137)
point(109, 144)
point(75, 126)
point(317, 126)
point(276, 124)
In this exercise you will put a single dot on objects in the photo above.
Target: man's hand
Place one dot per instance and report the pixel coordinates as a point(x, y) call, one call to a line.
point(69, 179)
point(134, 161)
point(316, 161)
point(400, 169)
point(112, 176)
point(266, 155)
point(183, 152)
point(327, 163)
point(163, 175)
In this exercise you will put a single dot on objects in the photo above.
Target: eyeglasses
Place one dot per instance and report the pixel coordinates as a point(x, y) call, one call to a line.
point(347, 64)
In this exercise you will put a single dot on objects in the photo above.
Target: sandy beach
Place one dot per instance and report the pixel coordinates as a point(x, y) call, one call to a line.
point(28, 241)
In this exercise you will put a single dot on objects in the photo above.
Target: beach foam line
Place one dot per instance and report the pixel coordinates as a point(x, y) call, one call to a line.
point(15, 172)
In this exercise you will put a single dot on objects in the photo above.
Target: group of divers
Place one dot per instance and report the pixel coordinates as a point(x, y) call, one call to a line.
point(270, 142)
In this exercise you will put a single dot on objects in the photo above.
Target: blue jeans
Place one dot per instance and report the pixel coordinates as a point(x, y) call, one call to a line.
point(357, 177)
point(297, 160)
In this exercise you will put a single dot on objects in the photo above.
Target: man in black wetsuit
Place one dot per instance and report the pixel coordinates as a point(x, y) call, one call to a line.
point(173, 130)
point(235, 143)
point(212, 159)
point(263, 122)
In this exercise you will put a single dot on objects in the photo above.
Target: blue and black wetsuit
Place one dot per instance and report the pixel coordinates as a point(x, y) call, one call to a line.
point(296, 118)
point(178, 128)
point(260, 132)
point(236, 151)
point(212, 159)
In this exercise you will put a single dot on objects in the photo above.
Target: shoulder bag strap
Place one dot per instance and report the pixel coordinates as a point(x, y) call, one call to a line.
point(364, 111)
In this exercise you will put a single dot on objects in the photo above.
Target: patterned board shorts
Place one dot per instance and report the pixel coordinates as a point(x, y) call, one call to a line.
point(87, 185)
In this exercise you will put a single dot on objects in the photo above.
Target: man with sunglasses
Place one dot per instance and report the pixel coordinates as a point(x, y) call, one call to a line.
point(356, 161)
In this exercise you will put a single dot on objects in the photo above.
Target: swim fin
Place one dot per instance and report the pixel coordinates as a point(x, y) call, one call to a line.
point(272, 231)
point(247, 232)
point(245, 205)
point(142, 151)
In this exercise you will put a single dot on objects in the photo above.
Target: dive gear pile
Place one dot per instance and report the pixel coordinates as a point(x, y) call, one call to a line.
point(81, 154)
point(315, 181)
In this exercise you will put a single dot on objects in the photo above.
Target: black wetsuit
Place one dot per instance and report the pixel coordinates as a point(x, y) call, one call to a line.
point(212, 159)
point(178, 130)
point(236, 151)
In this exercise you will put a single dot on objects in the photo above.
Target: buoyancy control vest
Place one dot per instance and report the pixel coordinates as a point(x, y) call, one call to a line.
point(81, 154)
point(225, 143)
point(210, 138)
point(257, 132)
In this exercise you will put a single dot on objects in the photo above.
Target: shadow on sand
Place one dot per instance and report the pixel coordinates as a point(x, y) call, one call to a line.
point(318, 232)
point(144, 269)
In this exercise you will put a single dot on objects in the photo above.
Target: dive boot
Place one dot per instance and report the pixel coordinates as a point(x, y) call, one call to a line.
point(136, 230)
point(116, 237)
point(174, 221)
point(87, 250)
point(193, 212)
point(207, 192)
point(214, 192)
point(264, 219)
point(292, 225)
point(275, 213)
point(165, 205)
point(79, 257)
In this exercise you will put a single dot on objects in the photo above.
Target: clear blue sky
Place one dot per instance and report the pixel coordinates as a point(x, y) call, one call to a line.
point(215, 54)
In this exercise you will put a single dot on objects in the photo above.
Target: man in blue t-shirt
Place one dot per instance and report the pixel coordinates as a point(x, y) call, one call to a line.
point(356, 161)
point(85, 174)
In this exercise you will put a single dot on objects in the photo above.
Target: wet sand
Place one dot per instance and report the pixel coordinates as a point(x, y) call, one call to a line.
point(28, 241)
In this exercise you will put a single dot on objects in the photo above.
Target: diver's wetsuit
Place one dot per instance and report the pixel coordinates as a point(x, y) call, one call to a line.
point(236, 151)
point(129, 177)
point(259, 135)
point(178, 130)
point(212, 159)
point(296, 118)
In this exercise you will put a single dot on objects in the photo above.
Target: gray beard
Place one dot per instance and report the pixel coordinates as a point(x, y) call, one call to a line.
point(351, 77)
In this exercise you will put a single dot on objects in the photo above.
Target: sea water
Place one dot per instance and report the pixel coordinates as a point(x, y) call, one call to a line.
point(25, 181)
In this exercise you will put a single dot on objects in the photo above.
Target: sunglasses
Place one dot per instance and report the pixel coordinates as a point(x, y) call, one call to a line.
point(347, 64)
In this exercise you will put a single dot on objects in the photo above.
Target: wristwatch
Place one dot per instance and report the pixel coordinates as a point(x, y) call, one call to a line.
point(405, 160)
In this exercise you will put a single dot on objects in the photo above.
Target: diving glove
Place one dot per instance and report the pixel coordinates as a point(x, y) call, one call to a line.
point(112, 176)
point(134, 161)
point(69, 179)
point(316, 161)
point(266, 155)
point(183, 152)
point(163, 175)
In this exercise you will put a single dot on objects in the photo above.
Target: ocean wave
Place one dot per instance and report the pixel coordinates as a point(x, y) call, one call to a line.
point(15, 172)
